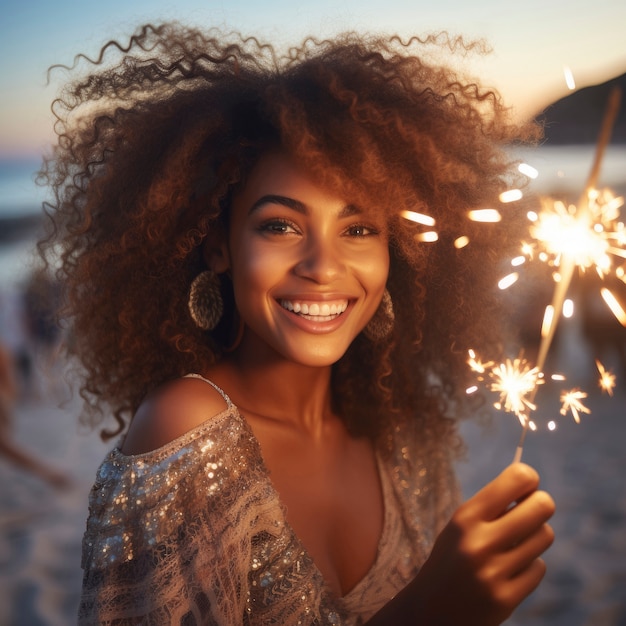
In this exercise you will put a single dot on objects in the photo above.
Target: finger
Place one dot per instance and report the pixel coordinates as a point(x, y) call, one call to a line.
point(519, 558)
point(522, 520)
point(527, 580)
point(515, 483)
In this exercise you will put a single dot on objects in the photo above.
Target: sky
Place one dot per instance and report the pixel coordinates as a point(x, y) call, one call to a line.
point(532, 41)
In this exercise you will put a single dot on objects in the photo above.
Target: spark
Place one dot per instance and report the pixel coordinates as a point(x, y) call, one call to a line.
point(507, 281)
point(568, 308)
point(614, 305)
point(515, 380)
point(512, 195)
point(589, 236)
point(565, 231)
point(527, 170)
point(484, 215)
point(548, 319)
point(569, 78)
point(476, 365)
point(571, 401)
point(527, 250)
point(607, 379)
point(418, 218)
point(461, 242)
point(429, 236)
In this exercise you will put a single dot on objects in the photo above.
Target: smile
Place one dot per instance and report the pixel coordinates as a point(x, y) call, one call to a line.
point(315, 311)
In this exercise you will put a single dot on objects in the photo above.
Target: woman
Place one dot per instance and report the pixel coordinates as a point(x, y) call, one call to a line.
point(243, 282)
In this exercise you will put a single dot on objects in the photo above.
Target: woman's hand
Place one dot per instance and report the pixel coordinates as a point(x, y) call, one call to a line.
point(485, 561)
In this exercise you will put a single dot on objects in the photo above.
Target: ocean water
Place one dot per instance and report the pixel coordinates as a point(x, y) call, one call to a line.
point(20, 202)
point(19, 194)
point(582, 465)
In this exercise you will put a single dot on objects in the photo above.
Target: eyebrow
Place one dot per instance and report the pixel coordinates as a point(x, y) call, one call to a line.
point(296, 205)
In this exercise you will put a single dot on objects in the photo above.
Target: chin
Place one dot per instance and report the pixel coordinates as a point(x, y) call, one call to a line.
point(314, 354)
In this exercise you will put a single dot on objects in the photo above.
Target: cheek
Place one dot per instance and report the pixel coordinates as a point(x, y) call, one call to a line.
point(255, 272)
point(374, 268)
point(261, 264)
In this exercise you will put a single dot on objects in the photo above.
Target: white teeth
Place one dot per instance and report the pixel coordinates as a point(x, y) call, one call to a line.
point(314, 309)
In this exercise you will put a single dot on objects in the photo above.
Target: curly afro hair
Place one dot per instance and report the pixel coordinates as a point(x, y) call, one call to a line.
point(154, 142)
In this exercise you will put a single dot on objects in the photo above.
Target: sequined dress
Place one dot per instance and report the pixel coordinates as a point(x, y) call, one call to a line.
point(194, 533)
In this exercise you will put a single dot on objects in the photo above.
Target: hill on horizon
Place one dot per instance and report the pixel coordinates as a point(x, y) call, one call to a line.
point(577, 118)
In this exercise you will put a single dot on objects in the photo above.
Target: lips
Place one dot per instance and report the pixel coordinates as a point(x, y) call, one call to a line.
point(316, 311)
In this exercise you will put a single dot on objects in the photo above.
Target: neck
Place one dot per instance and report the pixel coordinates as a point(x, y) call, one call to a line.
point(273, 388)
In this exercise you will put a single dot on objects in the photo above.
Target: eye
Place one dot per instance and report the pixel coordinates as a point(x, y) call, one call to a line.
point(278, 227)
point(361, 230)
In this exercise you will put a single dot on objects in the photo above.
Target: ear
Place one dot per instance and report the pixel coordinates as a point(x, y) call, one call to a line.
point(216, 253)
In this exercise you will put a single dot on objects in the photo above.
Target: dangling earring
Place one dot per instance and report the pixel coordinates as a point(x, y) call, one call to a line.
point(206, 305)
point(381, 325)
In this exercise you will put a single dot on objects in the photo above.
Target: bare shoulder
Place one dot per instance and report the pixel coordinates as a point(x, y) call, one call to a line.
point(169, 412)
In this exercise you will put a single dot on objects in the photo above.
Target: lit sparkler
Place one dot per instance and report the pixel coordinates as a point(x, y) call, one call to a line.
point(579, 236)
point(588, 236)
point(583, 236)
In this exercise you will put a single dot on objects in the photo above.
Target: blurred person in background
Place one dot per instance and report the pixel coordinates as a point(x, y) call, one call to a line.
point(10, 450)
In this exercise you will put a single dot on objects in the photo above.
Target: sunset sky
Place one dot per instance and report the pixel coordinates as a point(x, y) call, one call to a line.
point(532, 41)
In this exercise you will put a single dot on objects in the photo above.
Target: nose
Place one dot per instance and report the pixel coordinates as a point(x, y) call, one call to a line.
point(321, 260)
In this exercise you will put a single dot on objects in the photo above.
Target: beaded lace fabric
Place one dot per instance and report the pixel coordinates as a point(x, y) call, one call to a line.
point(194, 533)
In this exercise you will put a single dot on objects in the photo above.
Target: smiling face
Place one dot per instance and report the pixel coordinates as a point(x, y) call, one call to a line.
point(308, 268)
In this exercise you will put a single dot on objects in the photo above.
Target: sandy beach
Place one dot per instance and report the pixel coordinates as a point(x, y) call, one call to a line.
point(582, 465)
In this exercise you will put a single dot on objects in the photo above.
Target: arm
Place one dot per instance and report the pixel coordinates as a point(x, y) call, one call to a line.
point(30, 463)
point(484, 562)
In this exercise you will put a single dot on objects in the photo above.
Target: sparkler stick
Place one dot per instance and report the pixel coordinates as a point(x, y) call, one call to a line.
point(568, 262)
point(610, 116)
point(558, 298)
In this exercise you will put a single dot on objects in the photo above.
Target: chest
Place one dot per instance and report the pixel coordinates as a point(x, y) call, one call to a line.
point(333, 498)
